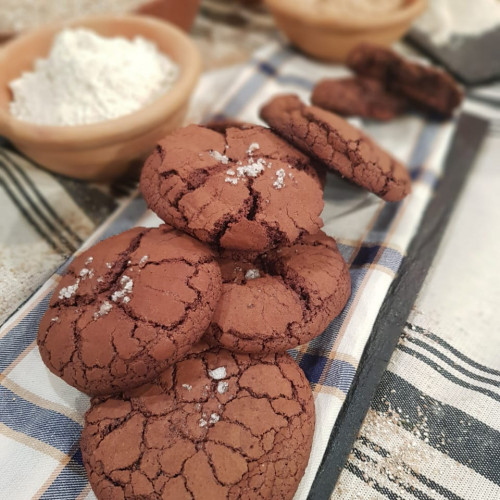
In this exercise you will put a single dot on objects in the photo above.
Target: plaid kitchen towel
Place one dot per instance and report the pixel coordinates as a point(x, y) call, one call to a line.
point(41, 417)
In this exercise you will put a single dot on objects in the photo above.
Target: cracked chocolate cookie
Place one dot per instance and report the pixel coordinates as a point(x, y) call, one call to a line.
point(362, 97)
point(127, 308)
point(278, 300)
point(429, 88)
point(246, 189)
point(215, 426)
point(343, 148)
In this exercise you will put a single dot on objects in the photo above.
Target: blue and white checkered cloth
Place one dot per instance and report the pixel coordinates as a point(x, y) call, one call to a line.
point(41, 417)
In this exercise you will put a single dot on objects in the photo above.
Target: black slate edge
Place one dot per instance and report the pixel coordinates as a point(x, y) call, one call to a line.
point(394, 312)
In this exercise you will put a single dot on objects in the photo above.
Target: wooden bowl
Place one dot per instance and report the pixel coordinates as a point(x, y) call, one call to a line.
point(181, 13)
point(103, 150)
point(331, 36)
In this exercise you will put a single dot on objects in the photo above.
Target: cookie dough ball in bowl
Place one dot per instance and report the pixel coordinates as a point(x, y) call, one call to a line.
point(215, 426)
point(245, 189)
point(127, 308)
point(278, 300)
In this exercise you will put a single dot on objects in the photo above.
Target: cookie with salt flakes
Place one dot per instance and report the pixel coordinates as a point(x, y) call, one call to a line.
point(214, 426)
point(127, 308)
point(343, 148)
point(243, 189)
point(281, 299)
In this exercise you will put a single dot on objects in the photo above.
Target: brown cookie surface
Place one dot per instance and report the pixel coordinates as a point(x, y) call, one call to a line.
point(429, 88)
point(279, 300)
point(216, 425)
point(244, 189)
point(127, 308)
point(343, 148)
point(221, 125)
point(364, 97)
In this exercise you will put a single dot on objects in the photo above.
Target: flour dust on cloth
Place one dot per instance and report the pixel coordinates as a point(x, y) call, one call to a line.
point(373, 237)
point(45, 218)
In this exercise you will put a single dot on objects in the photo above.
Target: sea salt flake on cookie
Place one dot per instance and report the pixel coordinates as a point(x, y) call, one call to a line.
point(218, 373)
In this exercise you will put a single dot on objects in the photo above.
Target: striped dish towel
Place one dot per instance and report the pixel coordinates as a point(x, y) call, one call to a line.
point(41, 417)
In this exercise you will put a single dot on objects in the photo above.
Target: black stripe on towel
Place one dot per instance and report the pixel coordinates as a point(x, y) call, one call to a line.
point(75, 237)
point(453, 364)
point(33, 223)
point(450, 348)
point(448, 429)
point(35, 209)
point(446, 374)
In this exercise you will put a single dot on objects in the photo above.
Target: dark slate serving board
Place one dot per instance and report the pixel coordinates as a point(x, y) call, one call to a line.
point(392, 317)
point(473, 60)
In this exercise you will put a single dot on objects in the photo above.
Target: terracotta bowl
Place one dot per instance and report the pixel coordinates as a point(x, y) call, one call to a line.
point(181, 13)
point(103, 150)
point(330, 36)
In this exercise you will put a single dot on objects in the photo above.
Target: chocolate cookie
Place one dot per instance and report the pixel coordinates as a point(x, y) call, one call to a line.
point(343, 148)
point(127, 308)
point(281, 299)
point(245, 189)
point(215, 426)
point(221, 125)
point(362, 97)
point(427, 87)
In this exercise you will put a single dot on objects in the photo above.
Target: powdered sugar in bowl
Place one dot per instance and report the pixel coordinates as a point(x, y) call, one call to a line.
point(101, 148)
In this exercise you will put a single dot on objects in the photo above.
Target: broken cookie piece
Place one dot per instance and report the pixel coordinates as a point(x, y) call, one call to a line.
point(127, 308)
point(244, 189)
point(215, 426)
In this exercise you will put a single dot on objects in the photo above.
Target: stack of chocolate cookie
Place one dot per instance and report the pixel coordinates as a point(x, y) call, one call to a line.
point(179, 332)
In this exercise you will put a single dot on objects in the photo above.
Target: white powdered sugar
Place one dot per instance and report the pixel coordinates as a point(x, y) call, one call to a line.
point(109, 265)
point(219, 157)
point(222, 387)
point(187, 387)
point(280, 179)
point(103, 310)
point(252, 274)
point(203, 422)
point(68, 291)
point(89, 261)
point(143, 261)
point(218, 373)
point(127, 285)
point(89, 79)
